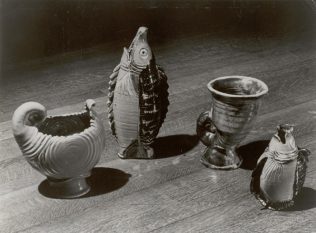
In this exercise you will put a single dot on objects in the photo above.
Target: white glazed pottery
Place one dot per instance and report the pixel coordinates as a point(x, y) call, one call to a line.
point(64, 148)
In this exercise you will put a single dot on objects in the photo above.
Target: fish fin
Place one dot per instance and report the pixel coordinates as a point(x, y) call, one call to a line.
point(112, 85)
point(300, 173)
point(149, 104)
point(145, 151)
point(136, 150)
point(164, 94)
point(279, 205)
point(130, 151)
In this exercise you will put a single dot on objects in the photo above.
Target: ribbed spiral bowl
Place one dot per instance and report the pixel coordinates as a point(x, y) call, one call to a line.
point(64, 148)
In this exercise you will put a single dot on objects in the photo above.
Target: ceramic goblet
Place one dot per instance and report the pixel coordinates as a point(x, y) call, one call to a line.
point(236, 100)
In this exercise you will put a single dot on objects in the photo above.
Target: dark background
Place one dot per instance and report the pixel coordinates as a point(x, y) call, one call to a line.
point(35, 29)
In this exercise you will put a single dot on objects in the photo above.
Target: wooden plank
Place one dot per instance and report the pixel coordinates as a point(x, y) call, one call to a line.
point(173, 193)
point(300, 72)
point(33, 206)
point(176, 108)
point(16, 167)
point(67, 84)
point(199, 202)
point(145, 174)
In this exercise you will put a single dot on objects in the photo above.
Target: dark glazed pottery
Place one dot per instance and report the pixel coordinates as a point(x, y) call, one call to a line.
point(235, 103)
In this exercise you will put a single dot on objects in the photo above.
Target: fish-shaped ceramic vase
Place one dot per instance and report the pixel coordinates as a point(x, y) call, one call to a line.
point(138, 99)
point(280, 172)
point(64, 148)
point(235, 104)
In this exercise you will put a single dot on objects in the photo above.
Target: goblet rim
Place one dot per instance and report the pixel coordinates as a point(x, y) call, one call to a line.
point(263, 85)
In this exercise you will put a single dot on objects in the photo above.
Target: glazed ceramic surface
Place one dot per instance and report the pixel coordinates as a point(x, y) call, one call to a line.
point(280, 172)
point(235, 103)
point(138, 99)
point(64, 148)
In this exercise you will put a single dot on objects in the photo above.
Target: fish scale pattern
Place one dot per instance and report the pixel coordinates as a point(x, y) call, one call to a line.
point(149, 104)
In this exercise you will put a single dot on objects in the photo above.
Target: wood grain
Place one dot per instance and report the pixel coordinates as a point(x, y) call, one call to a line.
point(173, 193)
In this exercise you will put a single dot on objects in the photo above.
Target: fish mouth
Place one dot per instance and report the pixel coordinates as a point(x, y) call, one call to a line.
point(141, 35)
point(142, 30)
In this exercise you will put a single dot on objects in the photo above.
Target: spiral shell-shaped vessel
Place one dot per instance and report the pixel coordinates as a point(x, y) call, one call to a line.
point(64, 148)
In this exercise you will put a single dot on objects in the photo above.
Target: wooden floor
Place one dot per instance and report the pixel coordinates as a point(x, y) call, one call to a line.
point(175, 192)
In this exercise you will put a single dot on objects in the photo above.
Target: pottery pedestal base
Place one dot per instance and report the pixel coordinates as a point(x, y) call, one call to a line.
point(68, 188)
point(220, 158)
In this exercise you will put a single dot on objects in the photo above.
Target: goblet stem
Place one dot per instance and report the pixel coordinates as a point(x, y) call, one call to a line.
point(217, 157)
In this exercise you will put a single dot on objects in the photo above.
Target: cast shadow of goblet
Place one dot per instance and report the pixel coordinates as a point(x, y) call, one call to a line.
point(174, 145)
point(251, 152)
point(102, 181)
point(305, 200)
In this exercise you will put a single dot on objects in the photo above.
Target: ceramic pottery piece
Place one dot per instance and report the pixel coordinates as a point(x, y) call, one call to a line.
point(236, 100)
point(138, 99)
point(280, 172)
point(64, 148)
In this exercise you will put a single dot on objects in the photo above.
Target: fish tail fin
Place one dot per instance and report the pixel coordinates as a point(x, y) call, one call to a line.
point(129, 151)
point(136, 150)
point(145, 151)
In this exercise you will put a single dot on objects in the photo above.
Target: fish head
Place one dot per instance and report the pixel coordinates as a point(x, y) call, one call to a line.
point(139, 51)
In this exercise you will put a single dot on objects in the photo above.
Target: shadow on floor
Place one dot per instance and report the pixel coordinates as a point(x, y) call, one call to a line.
point(251, 153)
point(305, 200)
point(174, 145)
point(102, 180)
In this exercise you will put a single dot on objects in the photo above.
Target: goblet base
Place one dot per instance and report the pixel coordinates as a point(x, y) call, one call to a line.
point(221, 158)
point(68, 188)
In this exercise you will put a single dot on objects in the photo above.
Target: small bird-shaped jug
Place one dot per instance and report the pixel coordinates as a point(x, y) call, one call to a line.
point(280, 172)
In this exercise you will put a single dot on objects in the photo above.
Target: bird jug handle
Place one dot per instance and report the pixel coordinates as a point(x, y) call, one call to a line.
point(306, 152)
point(205, 128)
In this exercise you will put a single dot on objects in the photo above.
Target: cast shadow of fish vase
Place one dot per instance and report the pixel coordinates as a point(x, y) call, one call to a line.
point(174, 145)
point(137, 100)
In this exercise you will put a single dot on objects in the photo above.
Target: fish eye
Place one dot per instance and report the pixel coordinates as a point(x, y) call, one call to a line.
point(143, 52)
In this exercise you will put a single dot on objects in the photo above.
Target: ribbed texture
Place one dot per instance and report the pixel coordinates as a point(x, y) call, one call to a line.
point(112, 84)
point(126, 115)
point(277, 180)
point(61, 157)
point(153, 102)
point(301, 169)
point(233, 118)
